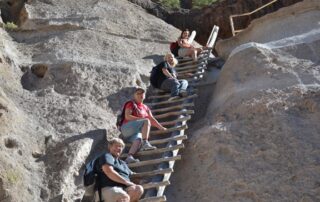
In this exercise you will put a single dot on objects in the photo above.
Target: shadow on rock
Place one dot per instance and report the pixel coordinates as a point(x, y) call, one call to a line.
point(156, 58)
point(61, 158)
point(116, 100)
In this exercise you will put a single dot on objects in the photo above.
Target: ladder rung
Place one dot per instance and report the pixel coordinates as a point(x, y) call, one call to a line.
point(164, 140)
point(169, 130)
point(173, 107)
point(176, 113)
point(172, 101)
point(157, 151)
point(185, 118)
point(154, 199)
point(152, 173)
point(151, 185)
point(154, 161)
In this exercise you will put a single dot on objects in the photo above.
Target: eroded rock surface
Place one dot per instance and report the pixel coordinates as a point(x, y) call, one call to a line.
point(260, 138)
point(63, 77)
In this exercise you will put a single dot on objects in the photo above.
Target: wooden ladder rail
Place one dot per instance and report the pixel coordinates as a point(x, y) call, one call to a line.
point(234, 31)
point(170, 164)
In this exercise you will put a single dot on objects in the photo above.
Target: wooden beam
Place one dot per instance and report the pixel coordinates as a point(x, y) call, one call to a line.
point(173, 107)
point(164, 140)
point(172, 101)
point(168, 123)
point(186, 66)
point(180, 71)
point(151, 185)
point(156, 151)
point(169, 130)
point(194, 79)
point(159, 96)
point(189, 71)
point(154, 161)
point(190, 66)
point(176, 113)
point(200, 73)
point(167, 95)
point(152, 173)
point(154, 199)
point(169, 139)
point(187, 61)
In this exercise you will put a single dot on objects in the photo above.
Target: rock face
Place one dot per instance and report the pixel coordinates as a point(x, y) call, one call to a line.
point(260, 138)
point(79, 61)
point(265, 29)
point(202, 20)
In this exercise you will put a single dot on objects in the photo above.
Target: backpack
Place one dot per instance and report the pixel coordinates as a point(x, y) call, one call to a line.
point(153, 77)
point(121, 116)
point(174, 48)
point(89, 178)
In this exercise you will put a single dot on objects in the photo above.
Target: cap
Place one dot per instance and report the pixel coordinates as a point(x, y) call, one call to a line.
point(138, 88)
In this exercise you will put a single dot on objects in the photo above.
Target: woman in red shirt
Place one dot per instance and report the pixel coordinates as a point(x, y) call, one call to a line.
point(137, 123)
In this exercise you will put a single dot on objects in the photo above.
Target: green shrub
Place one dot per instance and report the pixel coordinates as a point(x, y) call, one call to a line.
point(170, 3)
point(201, 3)
point(10, 25)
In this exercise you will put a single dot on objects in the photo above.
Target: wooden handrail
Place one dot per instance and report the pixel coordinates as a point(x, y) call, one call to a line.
point(246, 14)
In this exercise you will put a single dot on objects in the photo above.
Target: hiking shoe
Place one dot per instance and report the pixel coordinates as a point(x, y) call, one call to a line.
point(130, 159)
point(147, 146)
point(183, 93)
point(173, 98)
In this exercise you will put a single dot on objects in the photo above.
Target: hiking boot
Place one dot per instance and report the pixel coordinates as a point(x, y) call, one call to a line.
point(130, 159)
point(173, 98)
point(183, 93)
point(147, 146)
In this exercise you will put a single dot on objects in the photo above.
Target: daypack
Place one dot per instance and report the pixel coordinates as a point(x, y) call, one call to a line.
point(174, 48)
point(121, 116)
point(89, 178)
point(153, 76)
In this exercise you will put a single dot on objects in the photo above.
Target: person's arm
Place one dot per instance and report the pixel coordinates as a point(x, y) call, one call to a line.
point(114, 176)
point(128, 114)
point(184, 43)
point(154, 122)
point(174, 73)
point(167, 73)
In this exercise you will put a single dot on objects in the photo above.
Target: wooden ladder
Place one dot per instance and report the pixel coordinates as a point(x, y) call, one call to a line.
point(155, 167)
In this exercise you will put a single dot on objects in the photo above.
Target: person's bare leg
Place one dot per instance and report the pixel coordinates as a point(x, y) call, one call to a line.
point(199, 50)
point(146, 129)
point(134, 147)
point(191, 54)
point(135, 192)
point(124, 199)
point(194, 55)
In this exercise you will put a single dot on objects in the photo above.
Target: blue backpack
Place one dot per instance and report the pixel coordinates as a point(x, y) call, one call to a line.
point(89, 178)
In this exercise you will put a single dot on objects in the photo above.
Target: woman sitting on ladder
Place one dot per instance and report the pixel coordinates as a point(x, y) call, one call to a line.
point(186, 49)
point(164, 77)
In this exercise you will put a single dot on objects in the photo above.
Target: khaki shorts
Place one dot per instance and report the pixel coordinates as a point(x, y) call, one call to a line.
point(110, 194)
point(183, 52)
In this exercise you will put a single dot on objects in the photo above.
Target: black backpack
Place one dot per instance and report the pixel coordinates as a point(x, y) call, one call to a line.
point(121, 116)
point(174, 48)
point(153, 75)
point(89, 178)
